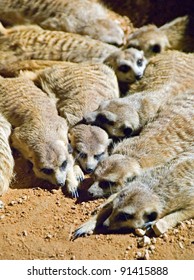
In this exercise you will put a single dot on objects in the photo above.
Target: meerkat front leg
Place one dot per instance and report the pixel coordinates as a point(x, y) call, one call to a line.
point(171, 220)
point(74, 177)
point(98, 219)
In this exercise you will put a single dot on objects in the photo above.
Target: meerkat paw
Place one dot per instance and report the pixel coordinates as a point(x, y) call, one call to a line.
point(85, 229)
point(78, 173)
point(160, 227)
point(72, 184)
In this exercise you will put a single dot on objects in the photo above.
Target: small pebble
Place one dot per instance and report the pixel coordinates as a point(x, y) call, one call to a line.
point(2, 217)
point(181, 245)
point(146, 255)
point(140, 232)
point(24, 233)
point(145, 240)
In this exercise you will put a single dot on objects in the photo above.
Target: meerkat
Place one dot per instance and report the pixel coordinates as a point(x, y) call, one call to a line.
point(160, 198)
point(90, 145)
point(37, 43)
point(149, 38)
point(180, 33)
point(77, 88)
point(39, 133)
point(83, 17)
point(129, 65)
point(6, 157)
point(167, 75)
point(159, 142)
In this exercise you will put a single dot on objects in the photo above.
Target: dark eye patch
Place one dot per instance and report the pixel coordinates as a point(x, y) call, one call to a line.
point(47, 171)
point(97, 157)
point(124, 68)
point(152, 216)
point(106, 184)
point(127, 131)
point(123, 216)
point(64, 164)
point(80, 154)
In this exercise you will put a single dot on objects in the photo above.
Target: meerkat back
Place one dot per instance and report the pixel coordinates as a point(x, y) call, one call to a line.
point(79, 88)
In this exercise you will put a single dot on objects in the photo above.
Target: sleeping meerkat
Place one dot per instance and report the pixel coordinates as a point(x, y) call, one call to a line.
point(37, 43)
point(167, 75)
point(161, 197)
point(90, 145)
point(77, 88)
point(39, 133)
point(150, 39)
point(76, 16)
point(160, 141)
point(6, 158)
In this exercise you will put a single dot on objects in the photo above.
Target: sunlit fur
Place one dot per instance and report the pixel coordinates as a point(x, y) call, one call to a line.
point(161, 197)
point(166, 76)
point(84, 17)
point(6, 158)
point(90, 145)
point(39, 133)
point(160, 141)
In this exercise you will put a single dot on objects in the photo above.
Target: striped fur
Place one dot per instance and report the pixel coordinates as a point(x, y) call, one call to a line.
point(166, 76)
point(170, 134)
point(161, 198)
point(37, 43)
point(6, 158)
point(78, 88)
point(84, 17)
point(39, 133)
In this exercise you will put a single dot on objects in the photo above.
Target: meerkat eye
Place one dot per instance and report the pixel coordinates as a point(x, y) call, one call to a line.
point(130, 179)
point(64, 164)
point(80, 154)
point(97, 157)
point(123, 216)
point(47, 171)
point(156, 48)
point(152, 216)
point(124, 68)
point(140, 62)
point(106, 184)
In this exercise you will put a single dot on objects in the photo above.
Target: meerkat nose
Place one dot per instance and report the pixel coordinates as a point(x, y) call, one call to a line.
point(138, 77)
point(89, 170)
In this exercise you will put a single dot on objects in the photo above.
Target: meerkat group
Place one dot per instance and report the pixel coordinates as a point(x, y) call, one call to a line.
point(69, 117)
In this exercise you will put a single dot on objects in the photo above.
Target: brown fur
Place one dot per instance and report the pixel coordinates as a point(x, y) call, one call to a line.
point(6, 158)
point(161, 197)
point(90, 145)
point(166, 76)
point(84, 17)
point(39, 133)
point(160, 141)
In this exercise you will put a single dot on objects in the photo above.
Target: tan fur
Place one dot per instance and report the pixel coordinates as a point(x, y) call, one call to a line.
point(6, 158)
point(90, 145)
point(39, 133)
point(166, 76)
point(38, 43)
point(78, 88)
point(180, 33)
point(160, 197)
point(76, 16)
point(160, 141)
point(128, 65)
point(150, 39)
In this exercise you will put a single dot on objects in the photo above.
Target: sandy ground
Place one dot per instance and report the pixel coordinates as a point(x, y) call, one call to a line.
point(37, 222)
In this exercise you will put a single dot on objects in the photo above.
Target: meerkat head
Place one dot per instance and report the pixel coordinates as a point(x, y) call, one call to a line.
point(129, 64)
point(52, 161)
point(150, 39)
point(134, 207)
point(90, 145)
point(112, 173)
point(116, 116)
